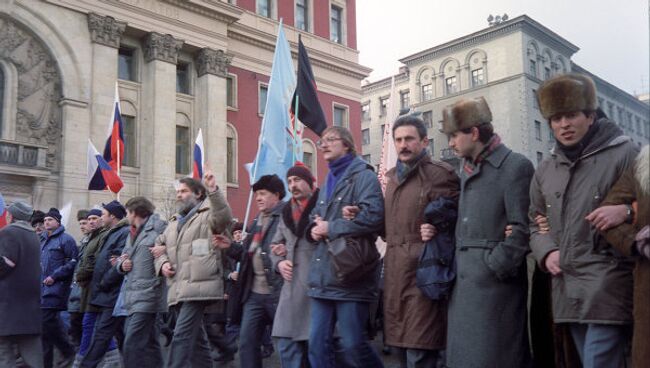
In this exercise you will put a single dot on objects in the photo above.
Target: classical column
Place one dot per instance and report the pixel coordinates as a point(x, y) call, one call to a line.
point(210, 108)
point(158, 116)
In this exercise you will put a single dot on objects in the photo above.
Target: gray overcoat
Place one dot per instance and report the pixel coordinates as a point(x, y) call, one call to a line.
point(487, 326)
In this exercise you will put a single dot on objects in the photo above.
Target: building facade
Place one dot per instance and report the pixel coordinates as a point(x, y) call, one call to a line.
point(505, 63)
point(180, 65)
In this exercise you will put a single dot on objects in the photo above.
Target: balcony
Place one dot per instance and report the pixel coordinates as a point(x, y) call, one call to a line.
point(23, 158)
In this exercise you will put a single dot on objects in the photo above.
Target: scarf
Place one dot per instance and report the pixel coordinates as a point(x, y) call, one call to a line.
point(337, 168)
point(491, 145)
point(298, 226)
point(575, 151)
point(403, 169)
point(261, 226)
point(182, 219)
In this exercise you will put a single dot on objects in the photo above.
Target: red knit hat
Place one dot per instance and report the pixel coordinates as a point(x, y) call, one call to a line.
point(301, 171)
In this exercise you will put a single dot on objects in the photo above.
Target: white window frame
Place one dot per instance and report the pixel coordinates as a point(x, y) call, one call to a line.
point(259, 89)
point(231, 128)
point(273, 9)
point(235, 106)
point(344, 19)
point(346, 123)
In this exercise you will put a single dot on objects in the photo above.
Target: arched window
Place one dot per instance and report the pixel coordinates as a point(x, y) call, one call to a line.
point(231, 155)
point(309, 155)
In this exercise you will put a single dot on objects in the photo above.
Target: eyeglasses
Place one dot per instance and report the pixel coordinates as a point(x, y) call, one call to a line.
point(328, 140)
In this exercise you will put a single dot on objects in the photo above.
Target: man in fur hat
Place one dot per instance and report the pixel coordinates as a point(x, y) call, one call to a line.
point(592, 282)
point(487, 324)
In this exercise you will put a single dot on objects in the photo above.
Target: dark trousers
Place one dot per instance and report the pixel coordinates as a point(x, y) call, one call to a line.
point(259, 311)
point(141, 344)
point(106, 327)
point(215, 327)
point(54, 335)
point(76, 319)
point(190, 342)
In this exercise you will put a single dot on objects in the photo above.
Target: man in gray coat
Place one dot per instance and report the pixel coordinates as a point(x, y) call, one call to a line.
point(592, 282)
point(143, 290)
point(291, 256)
point(20, 287)
point(487, 324)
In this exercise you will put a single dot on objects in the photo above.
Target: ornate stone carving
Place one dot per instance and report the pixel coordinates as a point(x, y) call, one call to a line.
point(210, 61)
point(105, 30)
point(38, 115)
point(161, 47)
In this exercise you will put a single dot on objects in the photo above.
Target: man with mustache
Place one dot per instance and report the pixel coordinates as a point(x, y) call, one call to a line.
point(592, 282)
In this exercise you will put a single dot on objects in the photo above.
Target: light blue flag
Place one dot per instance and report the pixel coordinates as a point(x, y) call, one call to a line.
point(277, 150)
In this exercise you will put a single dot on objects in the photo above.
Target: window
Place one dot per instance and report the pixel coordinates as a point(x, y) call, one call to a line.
point(431, 147)
point(182, 150)
point(535, 101)
point(610, 107)
point(2, 98)
point(538, 130)
point(263, 91)
point(551, 137)
point(452, 86)
point(302, 15)
point(340, 116)
point(336, 24)
point(126, 64)
point(264, 8)
point(365, 111)
point(365, 136)
point(383, 126)
point(183, 78)
point(477, 77)
point(404, 100)
point(533, 68)
point(427, 92)
point(540, 157)
point(427, 117)
point(231, 91)
point(130, 143)
point(367, 158)
point(547, 73)
point(231, 155)
point(383, 105)
point(309, 155)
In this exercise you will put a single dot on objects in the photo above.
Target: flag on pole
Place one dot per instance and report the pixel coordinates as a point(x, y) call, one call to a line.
point(198, 162)
point(310, 112)
point(114, 148)
point(388, 154)
point(65, 214)
point(276, 153)
point(3, 212)
point(100, 174)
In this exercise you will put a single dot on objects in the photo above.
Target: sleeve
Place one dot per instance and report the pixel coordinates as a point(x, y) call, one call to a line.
point(540, 244)
point(71, 253)
point(622, 237)
point(220, 212)
point(7, 249)
point(160, 261)
point(114, 277)
point(279, 238)
point(370, 219)
point(508, 255)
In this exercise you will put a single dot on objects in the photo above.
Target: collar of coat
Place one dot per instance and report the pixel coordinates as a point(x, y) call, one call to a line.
point(497, 156)
point(287, 217)
point(23, 225)
point(204, 206)
point(610, 135)
point(356, 166)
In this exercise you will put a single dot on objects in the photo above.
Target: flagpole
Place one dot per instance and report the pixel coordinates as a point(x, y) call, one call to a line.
point(295, 131)
point(118, 168)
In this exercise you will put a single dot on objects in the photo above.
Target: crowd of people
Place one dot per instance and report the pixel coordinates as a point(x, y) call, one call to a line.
point(307, 274)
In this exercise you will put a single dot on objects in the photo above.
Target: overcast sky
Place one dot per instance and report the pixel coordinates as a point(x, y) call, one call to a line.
point(613, 36)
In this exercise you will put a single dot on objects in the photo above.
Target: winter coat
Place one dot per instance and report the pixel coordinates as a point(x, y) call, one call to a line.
point(106, 281)
point(358, 186)
point(58, 260)
point(84, 273)
point(487, 324)
point(292, 317)
point(144, 290)
point(628, 189)
point(199, 266)
point(74, 300)
point(596, 281)
point(20, 286)
point(412, 320)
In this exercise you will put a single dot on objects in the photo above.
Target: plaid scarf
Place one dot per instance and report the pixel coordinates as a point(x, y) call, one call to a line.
point(260, 229)
point(297, 208)
point(491, 145)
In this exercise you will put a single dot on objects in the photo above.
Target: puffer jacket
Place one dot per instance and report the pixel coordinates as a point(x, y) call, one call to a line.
point(199, 266)
point(58, 260)
point(357, 186)
point(106, 281)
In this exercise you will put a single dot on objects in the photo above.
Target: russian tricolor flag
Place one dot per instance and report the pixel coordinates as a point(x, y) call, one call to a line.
point(3, 212)
point(199, 157)
point(100, 174)
point(114, 148)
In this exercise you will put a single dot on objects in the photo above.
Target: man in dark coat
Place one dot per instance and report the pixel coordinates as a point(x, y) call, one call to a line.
point(74, 301)
point(106, 282)
point(20, 280)
point(592, 282)
point(58, 260)
point(413, 323)
point(487, 312)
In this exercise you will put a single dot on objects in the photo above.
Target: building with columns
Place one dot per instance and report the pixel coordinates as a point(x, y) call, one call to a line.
point(505, 63)
point(180, 65)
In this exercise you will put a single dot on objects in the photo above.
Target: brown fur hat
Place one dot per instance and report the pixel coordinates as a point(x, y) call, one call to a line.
point(465, 113)
point(567, 93)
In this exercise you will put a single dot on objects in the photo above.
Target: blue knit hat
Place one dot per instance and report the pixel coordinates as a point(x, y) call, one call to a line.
point(115, 208)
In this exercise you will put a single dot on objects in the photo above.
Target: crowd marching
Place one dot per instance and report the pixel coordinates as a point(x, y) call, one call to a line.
point(451, 284)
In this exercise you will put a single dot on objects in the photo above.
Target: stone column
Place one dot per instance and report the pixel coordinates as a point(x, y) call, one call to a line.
point(210, 108)
point(158, 120)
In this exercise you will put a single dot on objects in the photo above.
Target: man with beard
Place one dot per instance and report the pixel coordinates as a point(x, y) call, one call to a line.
point(194, 269)
point(487, 324)
point(291, 257)
point(591, 281)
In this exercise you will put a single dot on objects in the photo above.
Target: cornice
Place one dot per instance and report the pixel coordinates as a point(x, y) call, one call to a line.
point(385, 83)
point(211, 8)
